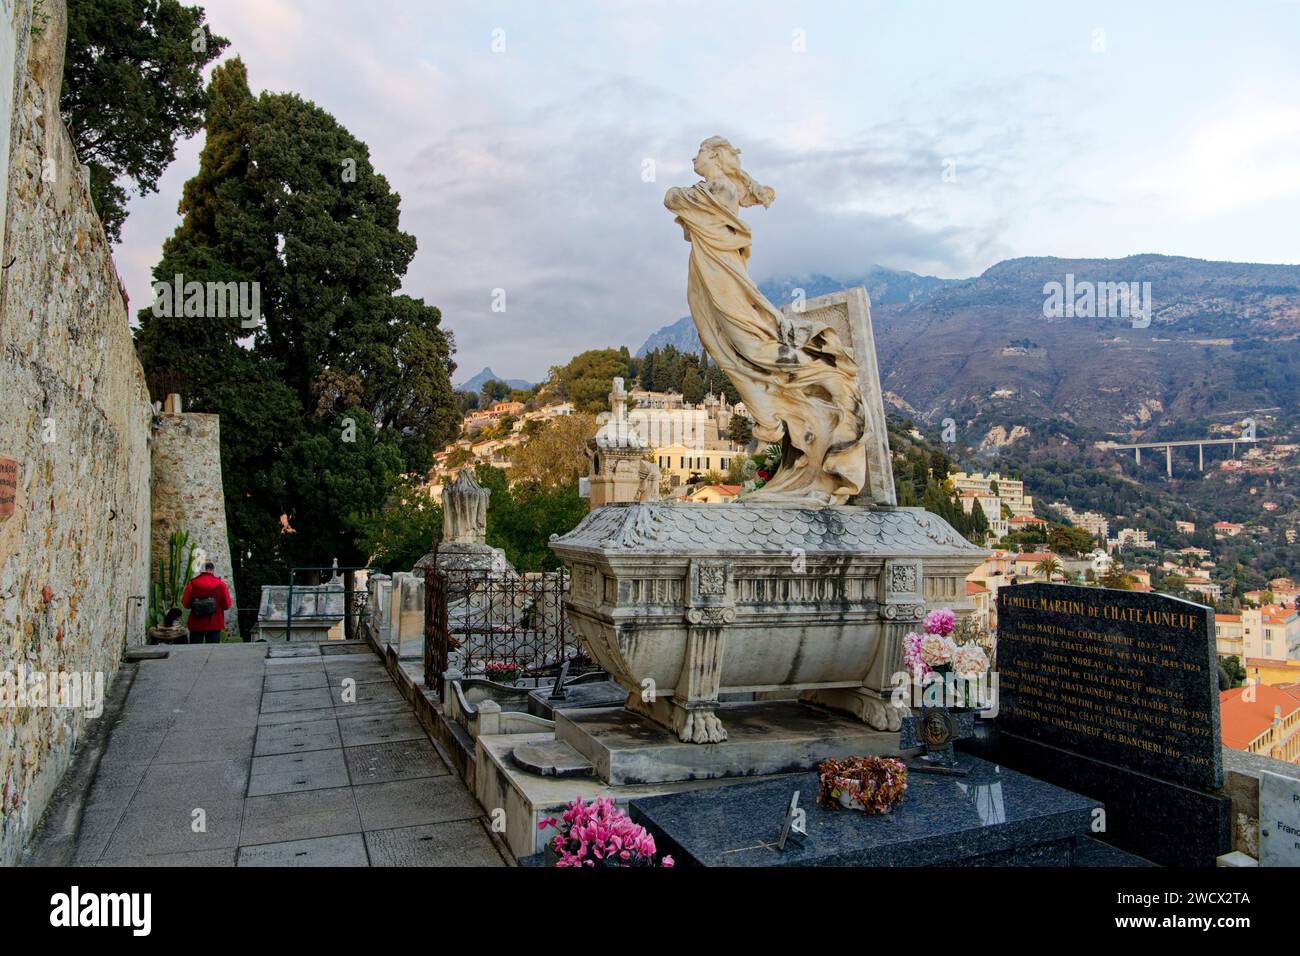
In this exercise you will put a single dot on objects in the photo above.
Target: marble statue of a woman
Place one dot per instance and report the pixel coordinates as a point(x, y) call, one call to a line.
point(796, 376)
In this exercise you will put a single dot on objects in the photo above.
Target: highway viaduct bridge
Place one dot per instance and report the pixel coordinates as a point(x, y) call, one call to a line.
point(1169, 447)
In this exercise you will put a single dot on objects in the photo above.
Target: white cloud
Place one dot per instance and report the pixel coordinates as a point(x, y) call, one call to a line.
point(523, 170)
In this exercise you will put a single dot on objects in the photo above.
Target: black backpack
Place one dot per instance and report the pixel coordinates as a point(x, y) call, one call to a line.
point(203, 606)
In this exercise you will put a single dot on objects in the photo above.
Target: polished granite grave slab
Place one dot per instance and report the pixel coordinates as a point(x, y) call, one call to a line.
point(991, 817)
point(1167, 823)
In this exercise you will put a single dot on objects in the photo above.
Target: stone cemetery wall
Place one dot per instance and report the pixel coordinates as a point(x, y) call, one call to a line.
point(74, 418)
point(188, 494)
point(9, 15)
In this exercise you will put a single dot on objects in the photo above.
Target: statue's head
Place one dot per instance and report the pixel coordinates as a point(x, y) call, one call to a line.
point(714, 158)
point(718, 159)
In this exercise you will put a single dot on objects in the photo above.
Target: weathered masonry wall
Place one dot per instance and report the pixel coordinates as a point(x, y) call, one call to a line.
point(188, 494)
point(75, 416)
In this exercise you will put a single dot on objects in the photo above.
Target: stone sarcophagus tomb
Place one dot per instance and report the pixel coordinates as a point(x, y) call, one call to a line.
point(684, 603)
point(805, 586)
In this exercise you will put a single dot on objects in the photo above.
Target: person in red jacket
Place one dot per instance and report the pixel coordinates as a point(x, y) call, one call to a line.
point(208, 600)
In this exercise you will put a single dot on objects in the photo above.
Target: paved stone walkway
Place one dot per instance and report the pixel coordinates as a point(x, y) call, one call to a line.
point(268, 755)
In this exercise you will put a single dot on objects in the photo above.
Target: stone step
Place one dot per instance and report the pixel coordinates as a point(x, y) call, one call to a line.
point(552, 758)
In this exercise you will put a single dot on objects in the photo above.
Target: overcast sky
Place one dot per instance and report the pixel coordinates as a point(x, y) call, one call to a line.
point(1084, 129)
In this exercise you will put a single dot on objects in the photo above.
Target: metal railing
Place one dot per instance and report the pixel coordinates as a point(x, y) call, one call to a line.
point(483, 616)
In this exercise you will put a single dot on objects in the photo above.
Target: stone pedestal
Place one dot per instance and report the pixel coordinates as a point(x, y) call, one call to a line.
point(617, 455)
point(683, 603)
point(465, 557)
point(463, 549)
point(769, 737)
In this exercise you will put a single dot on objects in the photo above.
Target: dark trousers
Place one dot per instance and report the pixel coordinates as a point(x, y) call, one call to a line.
point(205, 637)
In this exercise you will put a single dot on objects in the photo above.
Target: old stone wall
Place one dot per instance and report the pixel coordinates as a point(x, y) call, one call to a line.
point(75, 416)
point(188, 494)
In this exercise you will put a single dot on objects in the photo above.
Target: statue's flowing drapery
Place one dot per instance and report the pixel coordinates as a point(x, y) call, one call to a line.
point(796, 377)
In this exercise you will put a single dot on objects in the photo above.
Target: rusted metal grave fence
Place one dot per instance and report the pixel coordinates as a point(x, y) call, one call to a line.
point(474, 616)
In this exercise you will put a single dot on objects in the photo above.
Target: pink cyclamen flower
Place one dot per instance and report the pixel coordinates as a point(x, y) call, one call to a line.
point(601, 831)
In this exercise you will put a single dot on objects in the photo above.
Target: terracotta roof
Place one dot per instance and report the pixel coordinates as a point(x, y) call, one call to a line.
point(724, 489)
point(973, 588)
point(1290, 663)
point(1243, 720)
point(1292, 689)
point(1273, 614)
point(1036, 557)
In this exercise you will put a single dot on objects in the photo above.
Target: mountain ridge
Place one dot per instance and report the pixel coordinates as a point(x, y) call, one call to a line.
point(988, 353)
point(476, 382)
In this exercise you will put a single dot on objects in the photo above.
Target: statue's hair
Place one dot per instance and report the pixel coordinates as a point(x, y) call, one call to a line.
point(728, 157)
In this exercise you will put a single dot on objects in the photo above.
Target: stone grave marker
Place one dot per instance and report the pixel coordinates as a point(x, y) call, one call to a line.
point(1279, 820)
point(1114, 694)
point(1124, 676)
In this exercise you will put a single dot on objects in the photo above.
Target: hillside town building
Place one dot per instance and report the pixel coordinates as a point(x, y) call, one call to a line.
point(1262, 720)
point(1271, 632)
point(1011, 491)
point(1095, 524)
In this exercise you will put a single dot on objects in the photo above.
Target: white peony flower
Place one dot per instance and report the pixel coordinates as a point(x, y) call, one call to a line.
point(937, 651)
point(970, 661)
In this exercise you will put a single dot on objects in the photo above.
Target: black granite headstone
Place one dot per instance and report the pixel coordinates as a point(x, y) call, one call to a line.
point(1127, 677)
point(1114, 694)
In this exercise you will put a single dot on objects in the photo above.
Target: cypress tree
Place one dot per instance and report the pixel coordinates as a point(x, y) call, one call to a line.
point(342, 385)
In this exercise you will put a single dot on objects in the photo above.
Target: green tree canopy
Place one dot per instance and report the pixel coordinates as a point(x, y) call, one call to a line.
point(1067, 540)
point(692, 386)
point(525, 514)
point(587, 378)
point(740, 430)
point(132, 86)
point(342, 386)
point(404, 530)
